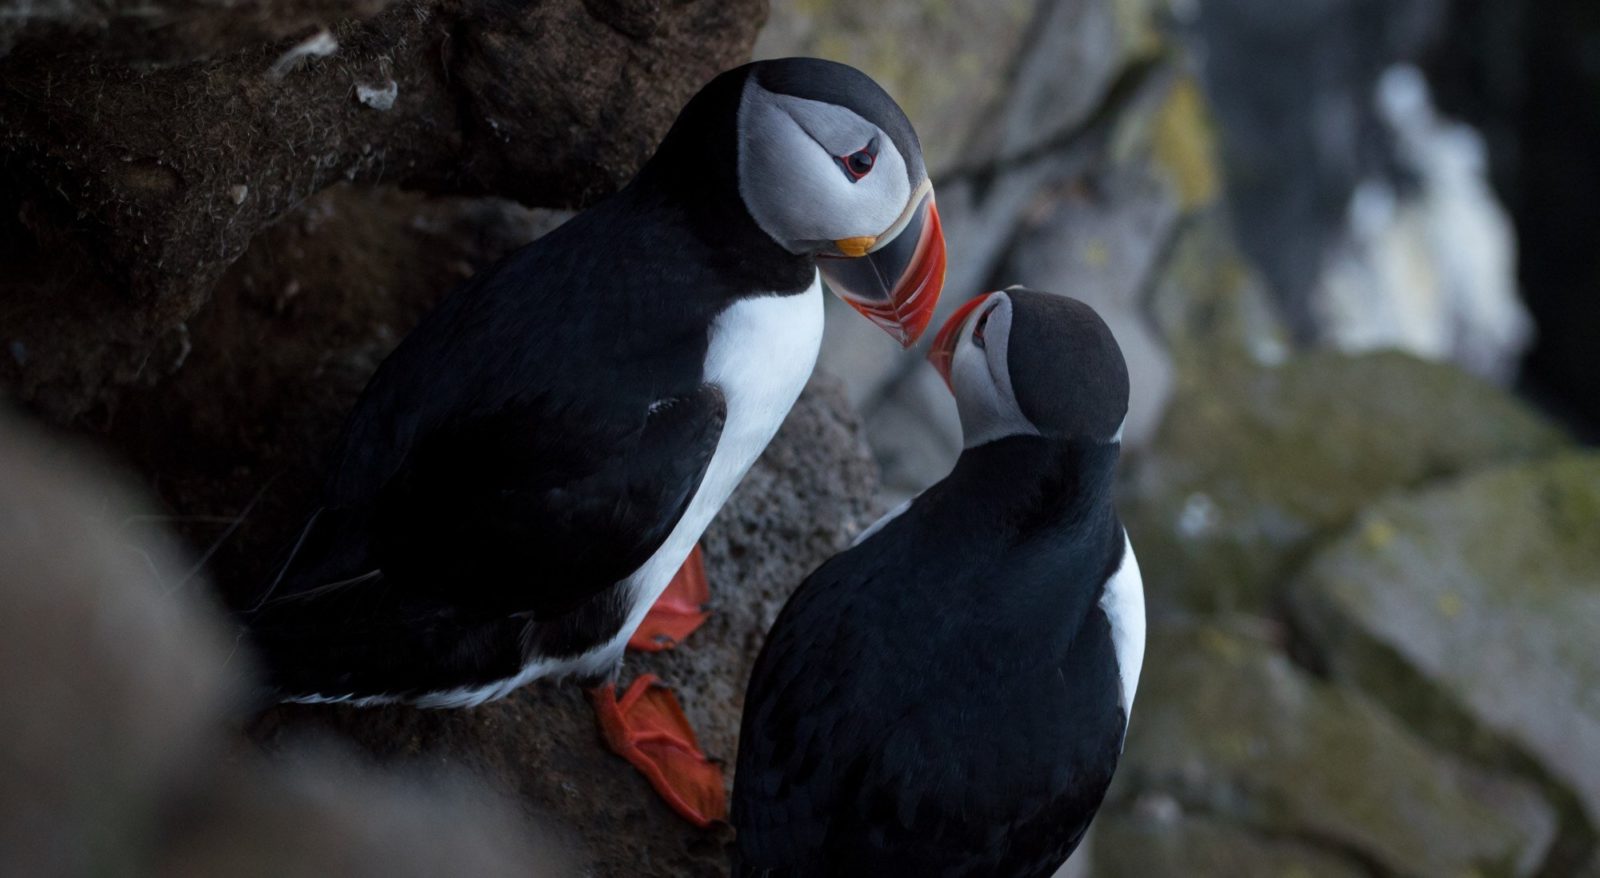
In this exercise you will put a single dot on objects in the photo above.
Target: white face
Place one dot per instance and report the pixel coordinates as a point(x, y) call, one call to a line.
point(795, 175)
point(981, 378)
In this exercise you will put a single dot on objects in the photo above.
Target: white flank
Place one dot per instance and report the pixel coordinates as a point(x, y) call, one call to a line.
point(1123, 603)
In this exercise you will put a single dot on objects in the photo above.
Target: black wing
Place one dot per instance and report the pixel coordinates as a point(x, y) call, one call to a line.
point(519, 510)
point(468, 541)
point(807, 716)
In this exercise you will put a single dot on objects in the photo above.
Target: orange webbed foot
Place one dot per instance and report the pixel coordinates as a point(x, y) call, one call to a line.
point(647, 727)
point(679, 610)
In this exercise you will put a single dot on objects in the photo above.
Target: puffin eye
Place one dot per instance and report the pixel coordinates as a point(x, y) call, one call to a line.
point(859, 163)
point(978, 330)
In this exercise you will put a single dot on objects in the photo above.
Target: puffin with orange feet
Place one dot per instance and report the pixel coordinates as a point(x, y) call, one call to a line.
point(531, 469)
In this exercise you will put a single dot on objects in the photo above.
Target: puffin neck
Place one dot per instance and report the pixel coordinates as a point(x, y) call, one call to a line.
point(695, 173)
point(1039, 475)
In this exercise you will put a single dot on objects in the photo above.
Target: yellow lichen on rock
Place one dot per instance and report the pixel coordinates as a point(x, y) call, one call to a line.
point(1184, 145)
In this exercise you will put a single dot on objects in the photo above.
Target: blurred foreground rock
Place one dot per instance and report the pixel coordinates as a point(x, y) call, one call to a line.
point(114, 681)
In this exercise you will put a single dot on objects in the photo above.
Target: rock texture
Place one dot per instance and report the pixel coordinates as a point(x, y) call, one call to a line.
point(128, 190)
point(1473, 608)
point(802, 502)
point(1252, 463)
point(1157, 838)
point(1295, 758)
point(116, 675)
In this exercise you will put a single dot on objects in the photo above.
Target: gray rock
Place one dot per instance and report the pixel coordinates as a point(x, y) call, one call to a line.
point(109, 675)
point(1102, 241)
point(1075, 53)
point(916, 434)
point(1476, 603)
point(1226, 727)
point(1252, 463)
point(1208, 300)
point(1156, 838)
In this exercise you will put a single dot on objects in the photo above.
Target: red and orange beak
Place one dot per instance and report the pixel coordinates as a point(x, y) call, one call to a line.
point(944, 344)
point(895, 284)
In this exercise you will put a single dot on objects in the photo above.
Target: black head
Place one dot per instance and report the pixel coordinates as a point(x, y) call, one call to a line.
point(819, 159)
point(1025, 362)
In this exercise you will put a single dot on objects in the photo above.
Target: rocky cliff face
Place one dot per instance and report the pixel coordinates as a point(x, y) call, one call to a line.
point(1370, 588)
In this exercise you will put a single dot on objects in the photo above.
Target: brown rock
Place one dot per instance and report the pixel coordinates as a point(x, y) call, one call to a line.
point(125, 193)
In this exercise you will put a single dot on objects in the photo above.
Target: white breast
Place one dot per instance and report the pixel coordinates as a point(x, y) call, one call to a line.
point(761, 354)
point(1123, 603)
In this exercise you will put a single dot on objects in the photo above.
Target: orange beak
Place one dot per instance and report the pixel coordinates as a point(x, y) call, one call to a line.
point(943, 351)
point(897, 285)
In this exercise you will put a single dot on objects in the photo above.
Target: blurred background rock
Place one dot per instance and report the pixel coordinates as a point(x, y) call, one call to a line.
point(1349, 247)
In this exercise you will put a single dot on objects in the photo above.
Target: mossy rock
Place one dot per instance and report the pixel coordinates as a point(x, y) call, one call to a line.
point(1226, 726)
point(1253, 462)
point(1475, 607)
point(1162, 840)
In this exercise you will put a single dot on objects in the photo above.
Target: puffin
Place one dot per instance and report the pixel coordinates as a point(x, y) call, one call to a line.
point(949, 696)
point(532, 467)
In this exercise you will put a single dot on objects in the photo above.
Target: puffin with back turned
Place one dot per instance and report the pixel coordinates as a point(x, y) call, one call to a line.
point(949, 696)
point(524, 474)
